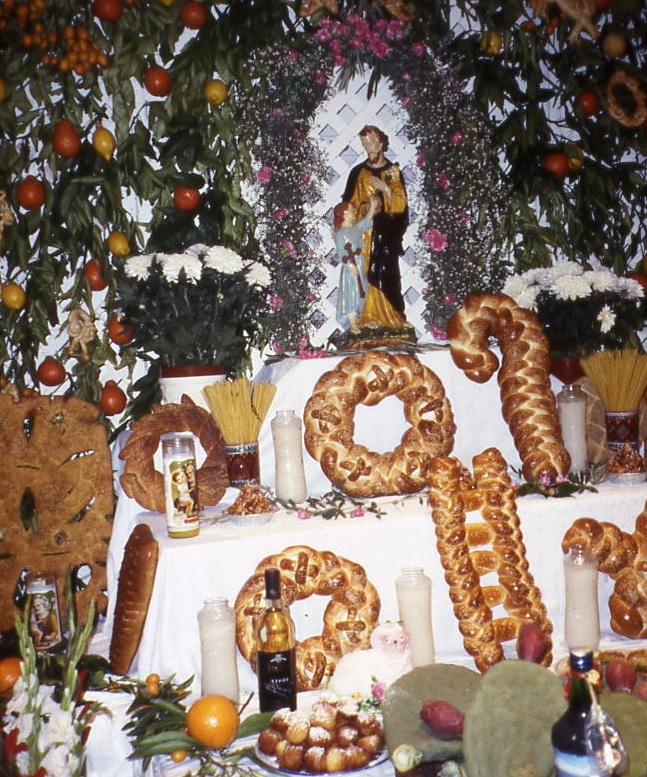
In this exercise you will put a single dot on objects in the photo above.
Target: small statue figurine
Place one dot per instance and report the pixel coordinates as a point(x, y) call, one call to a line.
point(82, 332)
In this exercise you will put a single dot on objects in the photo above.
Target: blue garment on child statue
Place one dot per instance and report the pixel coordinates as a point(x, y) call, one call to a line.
point(352, 288)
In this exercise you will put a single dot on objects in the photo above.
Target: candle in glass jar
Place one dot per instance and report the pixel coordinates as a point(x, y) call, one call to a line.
point(571, 403)
point(219, 668)
point(413, 589)
point(290, 485)
point(581, 614)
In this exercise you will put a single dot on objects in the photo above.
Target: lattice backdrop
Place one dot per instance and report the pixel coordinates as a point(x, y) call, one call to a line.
point(336, 129)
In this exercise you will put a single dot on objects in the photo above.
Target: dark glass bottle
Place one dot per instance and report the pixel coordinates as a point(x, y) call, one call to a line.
point(275, 650)
point(569, 732)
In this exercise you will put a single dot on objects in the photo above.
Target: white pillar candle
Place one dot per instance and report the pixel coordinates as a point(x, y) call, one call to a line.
point(581, 614)
point(219, 668)
point(413, 589)
point(290, 480)
point(571, 403)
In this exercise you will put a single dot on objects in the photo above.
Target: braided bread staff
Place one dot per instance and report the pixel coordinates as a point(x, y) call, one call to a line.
point(623, 557)
point(528, 403)
point(491, 492)
point(349, 618)
point(367, 379)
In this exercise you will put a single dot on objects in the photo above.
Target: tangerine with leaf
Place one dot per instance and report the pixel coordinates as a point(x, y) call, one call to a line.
point(213, 721)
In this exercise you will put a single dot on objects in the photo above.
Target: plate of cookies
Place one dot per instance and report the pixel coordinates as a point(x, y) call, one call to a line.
point(329, 736)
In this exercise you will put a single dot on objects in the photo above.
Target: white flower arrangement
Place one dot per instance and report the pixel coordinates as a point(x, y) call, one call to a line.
point(581, 309)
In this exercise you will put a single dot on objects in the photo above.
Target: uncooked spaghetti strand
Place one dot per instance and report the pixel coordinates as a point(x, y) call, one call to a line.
point(239, 408)
point(619, 377)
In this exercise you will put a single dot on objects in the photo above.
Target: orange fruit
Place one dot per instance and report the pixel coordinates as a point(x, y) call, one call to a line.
point(177, 756)
point(118, 330)
point(112, 400)
point(491, 42)
point(51, 372)
point(65, 139)
point(614, 44)
point(185, 198)
point(13, 296)
point(93, 271)
point(104, 142)
point(157, 81)
point(153, 684)
point(215, 91)
point(30, 193)
point(213, 721)
point(118, 243)
point(556, 163)
point(9, 674)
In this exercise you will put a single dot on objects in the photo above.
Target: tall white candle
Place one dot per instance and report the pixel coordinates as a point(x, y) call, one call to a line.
point(581, 614)
point(413, 588)
point(571, 403)
point(290, 485)
point(219, 668)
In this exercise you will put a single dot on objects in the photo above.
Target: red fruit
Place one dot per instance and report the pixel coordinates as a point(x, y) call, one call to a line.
point(638, 276)
point(556, 163)
point(157, 81)
point(445, 720)
point(620, 675)
point(51, 372)
point(108, 10)
point(93, 272)
point(531, 642)
point(193, 15)
point(113, 400)
point(185, 198)
point(588, 102)
point(30, 193)
point(640, 690)
point(602, 5)
point(119, 330)
point(65, 139)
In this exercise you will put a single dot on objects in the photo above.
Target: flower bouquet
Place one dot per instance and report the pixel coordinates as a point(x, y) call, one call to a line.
point(581, 310)
point(204, 306)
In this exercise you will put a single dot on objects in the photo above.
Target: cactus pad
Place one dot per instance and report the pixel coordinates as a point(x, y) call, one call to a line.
point(508, 725)
point(630, 716)
point(405, 697)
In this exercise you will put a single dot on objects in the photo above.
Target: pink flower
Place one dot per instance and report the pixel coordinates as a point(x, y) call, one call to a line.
point(420, 159)
point(310, 353)
point(276, 302)
point(380, 48)
point(418, 49)
point(407, 102)
point(442, 181)
point(358, 512)
point(280, 213)
point(278, 112)
point(289, 247)
point(292, 55)
point(457, 138)
point(436, 240)
point(449, 299)
point(436, 333)
point(303, 514)
point(320, 77)
point(264, 175)
point(276, 347)
point(464, 217)
point(406, 76)
point(394, 29)
point(378, 691)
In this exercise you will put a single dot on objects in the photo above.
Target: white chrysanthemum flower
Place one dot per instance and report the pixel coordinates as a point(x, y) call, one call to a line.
point(138, 267)
point(607, 319)
point(602, 280)
point(631, 288)
point(571, 287)
point(528, 298)
point(197, 249)
point(171, 265)
point(223, 260)
point(514, 286)
point(192, 268)
point(259, 274)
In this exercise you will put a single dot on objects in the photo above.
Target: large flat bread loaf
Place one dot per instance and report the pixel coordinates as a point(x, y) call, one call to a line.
point(134, 589)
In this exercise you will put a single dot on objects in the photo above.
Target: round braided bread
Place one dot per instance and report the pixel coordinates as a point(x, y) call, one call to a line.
point(623, 557)
point(144, 483)
point(367, 379)
point(528, 403)
point(492, 493)
point(349, 618)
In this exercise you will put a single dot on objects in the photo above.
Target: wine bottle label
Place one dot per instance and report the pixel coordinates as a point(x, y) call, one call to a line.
point(276, 680)
point(572, 765)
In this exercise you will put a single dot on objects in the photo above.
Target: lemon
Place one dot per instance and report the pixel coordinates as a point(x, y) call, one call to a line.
point(13, 296)
point(215, 91)
point(118, 243)
point(491, 42)
point(104, 143)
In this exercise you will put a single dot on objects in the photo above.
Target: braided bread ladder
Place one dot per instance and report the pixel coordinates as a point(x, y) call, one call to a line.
point(623, 557)
point(452, 494)
point(528, 403)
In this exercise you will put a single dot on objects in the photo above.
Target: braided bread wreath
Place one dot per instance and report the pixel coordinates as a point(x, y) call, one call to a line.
point(142, 482)
point(349, 618)
point(367, 379)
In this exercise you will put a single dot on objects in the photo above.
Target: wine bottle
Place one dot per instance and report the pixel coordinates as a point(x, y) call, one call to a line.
point(275, 650)
point(569, 732)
